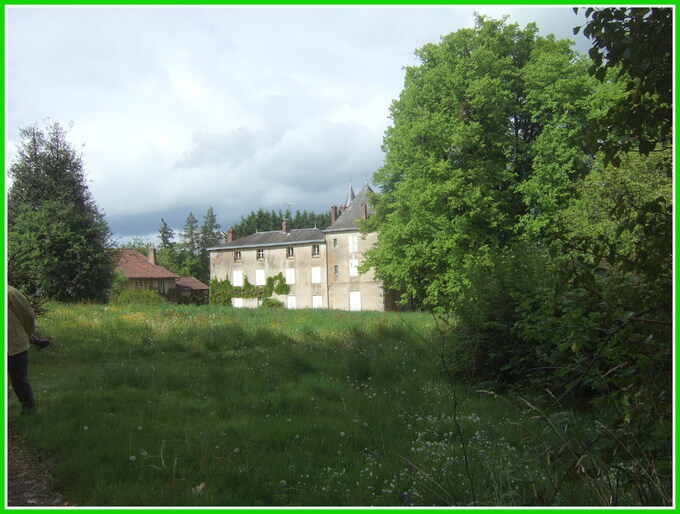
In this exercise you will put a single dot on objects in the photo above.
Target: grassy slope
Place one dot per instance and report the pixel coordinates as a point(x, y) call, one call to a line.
point(180, 405)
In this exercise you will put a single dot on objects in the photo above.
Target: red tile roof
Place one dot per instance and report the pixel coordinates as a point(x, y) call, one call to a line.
point(191, 283)
point(136, 265)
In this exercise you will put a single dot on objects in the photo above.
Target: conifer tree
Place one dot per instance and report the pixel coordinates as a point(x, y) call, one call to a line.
point(58, 240)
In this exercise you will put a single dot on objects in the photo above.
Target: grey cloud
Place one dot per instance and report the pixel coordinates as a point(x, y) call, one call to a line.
point(224, 149)
point(182, 108)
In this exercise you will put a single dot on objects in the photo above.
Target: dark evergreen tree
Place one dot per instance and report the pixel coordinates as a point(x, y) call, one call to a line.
point(165, 234)
point(210, 234)
point(263, 221)
point(58, 240)
point(190, 235)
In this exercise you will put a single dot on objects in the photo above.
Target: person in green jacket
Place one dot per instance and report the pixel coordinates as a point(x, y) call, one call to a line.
point(20, 333)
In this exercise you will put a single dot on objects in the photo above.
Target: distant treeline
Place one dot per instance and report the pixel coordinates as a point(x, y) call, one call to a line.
point(189, 256)
point(263, 221)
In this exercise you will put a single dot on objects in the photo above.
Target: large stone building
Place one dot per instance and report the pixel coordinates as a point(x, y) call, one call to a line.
point(320, 266)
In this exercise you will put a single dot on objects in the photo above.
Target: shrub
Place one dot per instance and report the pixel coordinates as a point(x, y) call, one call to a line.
point(143, 296)
point(222, 291)
point(117, 285)
point(486, 347)
point(271, 303)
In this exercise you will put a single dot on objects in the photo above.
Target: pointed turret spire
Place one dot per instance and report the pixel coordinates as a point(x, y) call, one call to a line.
point(350, 193)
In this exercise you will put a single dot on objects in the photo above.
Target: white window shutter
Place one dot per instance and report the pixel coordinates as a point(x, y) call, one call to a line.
point(259, 277)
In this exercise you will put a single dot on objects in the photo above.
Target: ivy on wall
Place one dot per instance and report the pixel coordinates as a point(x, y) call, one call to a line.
point(222, 291)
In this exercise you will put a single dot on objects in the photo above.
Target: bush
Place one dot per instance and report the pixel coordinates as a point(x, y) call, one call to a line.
point(117, 285)
point(222, 291)
point(271, 303)
point(486, 346)
point(143, 296)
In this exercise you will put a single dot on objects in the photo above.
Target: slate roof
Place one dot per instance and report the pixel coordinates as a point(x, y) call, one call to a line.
point(136, 265)
point(347, 220)
point(191, 284)
point(276, 238)
point(350, 194)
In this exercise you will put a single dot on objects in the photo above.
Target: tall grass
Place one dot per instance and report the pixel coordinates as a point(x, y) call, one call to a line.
point(186, 405)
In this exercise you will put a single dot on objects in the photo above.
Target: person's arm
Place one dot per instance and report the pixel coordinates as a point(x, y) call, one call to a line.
point(23, 311)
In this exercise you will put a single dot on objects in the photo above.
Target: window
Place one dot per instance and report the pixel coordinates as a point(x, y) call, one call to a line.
point(355, 300)
point(237, 255)
point(317, 302)
point(260, 254)
point(161, 286)
point(289, 252)
point(335, 269)
point(354, 267)
point(291, 303)
point(138, 284)
point(316, 275)
point(237, 278)
point(335, 242)
point(259, 277)
point(315, 250)
point(290, 276)
point(354, 243)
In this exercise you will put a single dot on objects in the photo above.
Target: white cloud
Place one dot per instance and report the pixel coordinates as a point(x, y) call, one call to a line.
point(182, 108)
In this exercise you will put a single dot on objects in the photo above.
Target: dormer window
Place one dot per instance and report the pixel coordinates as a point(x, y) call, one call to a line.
point(289, 252)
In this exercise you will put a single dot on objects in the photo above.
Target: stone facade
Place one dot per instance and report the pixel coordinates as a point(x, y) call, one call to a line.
point(302, 262)
point(321, 267)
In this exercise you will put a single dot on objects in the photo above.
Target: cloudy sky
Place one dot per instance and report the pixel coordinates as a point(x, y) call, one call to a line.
point(182, 108)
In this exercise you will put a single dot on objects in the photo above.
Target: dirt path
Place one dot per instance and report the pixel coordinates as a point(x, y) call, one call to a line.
point(29, 482)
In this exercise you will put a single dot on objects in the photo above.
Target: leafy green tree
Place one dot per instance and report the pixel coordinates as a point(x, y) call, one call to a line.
point(485, 145)
point(605, 325)
point(58, 240)
point(180, 261)
point(634, 47)
point(137, 243)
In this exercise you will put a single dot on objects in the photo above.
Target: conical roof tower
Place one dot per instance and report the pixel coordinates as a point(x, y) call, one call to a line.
point(350, 193)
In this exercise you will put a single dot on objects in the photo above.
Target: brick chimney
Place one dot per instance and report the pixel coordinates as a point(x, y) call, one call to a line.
point(334, 214)
point(363, 211)
point(285, 228)
point(230, 235)
point(152, 256)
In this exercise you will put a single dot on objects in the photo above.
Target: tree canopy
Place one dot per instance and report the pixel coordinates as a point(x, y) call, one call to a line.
point(486, 142)
point(58, 240)
point(526, 200)
point(633, 46)
point(263, 221)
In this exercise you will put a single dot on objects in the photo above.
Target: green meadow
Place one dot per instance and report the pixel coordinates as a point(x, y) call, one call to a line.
point(204, 406)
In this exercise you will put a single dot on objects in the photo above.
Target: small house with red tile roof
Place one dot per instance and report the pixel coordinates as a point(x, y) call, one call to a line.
point(191, 290)
point(144, 272)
